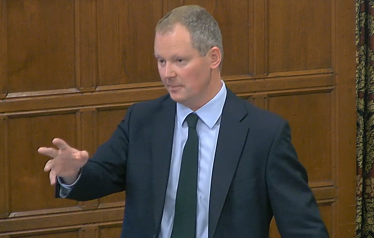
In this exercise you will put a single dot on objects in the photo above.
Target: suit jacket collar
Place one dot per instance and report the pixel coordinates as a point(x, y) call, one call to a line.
point(163, 134)
point(231, 140)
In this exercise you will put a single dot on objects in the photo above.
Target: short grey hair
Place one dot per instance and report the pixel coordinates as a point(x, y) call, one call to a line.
point(203, 28)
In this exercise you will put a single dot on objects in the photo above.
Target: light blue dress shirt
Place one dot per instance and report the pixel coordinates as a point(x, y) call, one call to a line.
point(207, 130)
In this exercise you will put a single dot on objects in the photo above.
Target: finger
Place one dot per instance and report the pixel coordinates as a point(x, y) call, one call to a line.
point(48, 166)
point(51, 152)
point(61, 144)
point(52, 177)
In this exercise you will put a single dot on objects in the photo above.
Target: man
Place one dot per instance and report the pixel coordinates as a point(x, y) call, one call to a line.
point(238, 167)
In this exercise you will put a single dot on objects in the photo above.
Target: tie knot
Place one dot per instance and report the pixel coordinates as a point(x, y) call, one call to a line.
point(192, 120)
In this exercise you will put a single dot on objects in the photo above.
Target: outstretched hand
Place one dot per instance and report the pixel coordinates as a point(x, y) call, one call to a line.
point(65, 163)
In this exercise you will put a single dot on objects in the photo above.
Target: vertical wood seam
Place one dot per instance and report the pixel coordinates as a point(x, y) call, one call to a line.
point(3, 49)
point(5, 175)
point(259, 40)
point(77, 45)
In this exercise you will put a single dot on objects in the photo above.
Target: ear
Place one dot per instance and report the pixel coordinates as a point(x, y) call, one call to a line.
point(215, 57)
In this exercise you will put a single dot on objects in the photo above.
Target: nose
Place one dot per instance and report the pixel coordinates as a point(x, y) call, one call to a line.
point(169, 71)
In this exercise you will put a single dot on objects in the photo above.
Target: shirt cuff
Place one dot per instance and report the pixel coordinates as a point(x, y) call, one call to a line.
point(66, 188)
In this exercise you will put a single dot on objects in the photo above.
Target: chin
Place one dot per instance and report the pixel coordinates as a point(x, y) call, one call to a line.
point(176, 97)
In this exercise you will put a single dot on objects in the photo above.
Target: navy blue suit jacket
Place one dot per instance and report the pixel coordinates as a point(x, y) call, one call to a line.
point(256, 173)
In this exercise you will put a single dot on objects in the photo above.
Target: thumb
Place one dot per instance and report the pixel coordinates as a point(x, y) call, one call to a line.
point(83, 154)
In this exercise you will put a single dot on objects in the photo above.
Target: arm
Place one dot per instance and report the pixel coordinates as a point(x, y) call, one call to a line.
point(294, 206)
point(105, 172)
point(101, 175)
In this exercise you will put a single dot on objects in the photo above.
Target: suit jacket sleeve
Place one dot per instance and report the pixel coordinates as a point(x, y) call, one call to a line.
point(105, 172)
point(294, 206)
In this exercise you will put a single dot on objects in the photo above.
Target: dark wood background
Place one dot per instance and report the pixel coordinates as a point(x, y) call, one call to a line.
point(71, 68)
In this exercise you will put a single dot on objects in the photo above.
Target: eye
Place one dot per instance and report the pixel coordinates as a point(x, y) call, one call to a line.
point(181, 62)
point(161, 61)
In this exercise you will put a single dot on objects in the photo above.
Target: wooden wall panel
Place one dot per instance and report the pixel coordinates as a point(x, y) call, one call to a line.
point(309, 115)
point(89, 231)
point(29, 184)
point(112, 231)
point(4, 169)
point(346, 119)
point(126, 32)
point(300, 35)
point(327, 210)
point(71, 68)
point(62, 220)
point(45, 60)
point(234, 19)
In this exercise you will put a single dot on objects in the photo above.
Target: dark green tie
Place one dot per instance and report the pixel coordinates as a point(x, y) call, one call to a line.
point(186, 200)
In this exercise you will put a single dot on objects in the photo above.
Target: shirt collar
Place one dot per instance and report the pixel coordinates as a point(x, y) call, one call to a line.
point(209, 113)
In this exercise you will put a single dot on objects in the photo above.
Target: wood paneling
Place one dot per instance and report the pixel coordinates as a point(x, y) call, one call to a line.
point(327, 210)
point(300, 35)
point(346, 120)
point(109, 232)
point(86, 44)
point(89, 232)
point(4, 168)
point(3, 49)
point(50, 235)
point(62, 220)
point(40, 45)
point(126, 32)
point(71, 69)
point(240, 85)
point(29, 184)
point(309, 115)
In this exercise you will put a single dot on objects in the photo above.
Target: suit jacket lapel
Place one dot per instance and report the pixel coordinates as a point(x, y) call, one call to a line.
point(163, 134)
point(231, 140)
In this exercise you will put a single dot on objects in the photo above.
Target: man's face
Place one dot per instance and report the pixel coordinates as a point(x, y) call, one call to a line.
point(185, 74)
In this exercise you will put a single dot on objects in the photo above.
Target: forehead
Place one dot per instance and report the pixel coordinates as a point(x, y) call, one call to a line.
point(177, 40)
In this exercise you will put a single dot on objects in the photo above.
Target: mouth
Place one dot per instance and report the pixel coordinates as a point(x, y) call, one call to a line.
point(174, 87)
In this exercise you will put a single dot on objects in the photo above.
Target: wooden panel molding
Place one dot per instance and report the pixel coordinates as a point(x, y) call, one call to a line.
point(238, 85)
point(260, 100)
point(58, 221)
point(69, 232)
